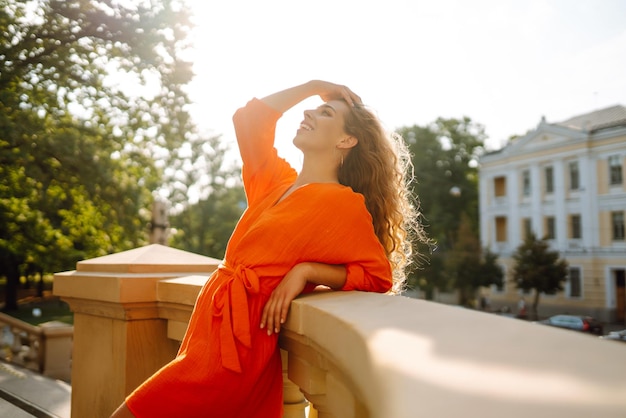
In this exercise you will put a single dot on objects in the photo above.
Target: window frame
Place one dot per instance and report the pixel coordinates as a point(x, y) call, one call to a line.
point(576, 230)
point(617, 226)
point(548, 173)
point(574, 175)
point(499, 186)
point(526, 184)
point(615, 170)
point(501, 224)
point(579, 280)
point(550, 224)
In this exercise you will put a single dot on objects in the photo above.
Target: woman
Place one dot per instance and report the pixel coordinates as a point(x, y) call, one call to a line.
point(343, 222)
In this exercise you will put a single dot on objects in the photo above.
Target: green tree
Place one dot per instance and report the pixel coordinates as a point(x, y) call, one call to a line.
point(445, 155)
point(538, 268)
point(205, 226)
point(80, 148)
point(468, 267)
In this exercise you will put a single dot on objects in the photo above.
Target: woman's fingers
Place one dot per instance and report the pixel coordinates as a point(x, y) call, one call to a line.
point(331, 91)
point(267, 318)
point(277, 306)
point(274, 313)
point(349, 96)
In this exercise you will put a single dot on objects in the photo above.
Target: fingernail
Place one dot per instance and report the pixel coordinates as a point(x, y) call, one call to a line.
point(262, 325)
point(269, 332)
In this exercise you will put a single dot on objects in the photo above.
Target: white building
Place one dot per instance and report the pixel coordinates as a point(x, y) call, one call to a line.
point(564, 181)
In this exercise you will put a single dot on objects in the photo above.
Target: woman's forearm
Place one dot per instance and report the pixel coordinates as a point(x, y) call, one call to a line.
point(329, 275)
point(286, 99)
point(275, 310)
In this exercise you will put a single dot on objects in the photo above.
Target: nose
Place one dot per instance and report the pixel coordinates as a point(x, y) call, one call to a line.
point(308, 114)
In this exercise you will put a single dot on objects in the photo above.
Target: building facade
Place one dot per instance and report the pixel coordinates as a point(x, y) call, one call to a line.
point(564, 181)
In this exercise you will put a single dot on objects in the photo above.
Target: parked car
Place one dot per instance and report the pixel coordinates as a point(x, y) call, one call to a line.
point(575, 322)
point(616, 336)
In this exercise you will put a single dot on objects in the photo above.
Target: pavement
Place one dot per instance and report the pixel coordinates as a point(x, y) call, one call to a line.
point(25, 394)
point(613, 327)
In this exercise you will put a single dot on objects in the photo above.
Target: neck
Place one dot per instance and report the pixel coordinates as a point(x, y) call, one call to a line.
point(317, 171)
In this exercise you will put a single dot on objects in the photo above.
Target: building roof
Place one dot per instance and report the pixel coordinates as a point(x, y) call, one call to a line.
point(575, 127)
point(599, 119)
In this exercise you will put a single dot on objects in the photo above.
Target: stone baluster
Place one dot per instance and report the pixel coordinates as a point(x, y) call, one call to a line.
point(294, 402)
point(17, 347)
point(32, 352)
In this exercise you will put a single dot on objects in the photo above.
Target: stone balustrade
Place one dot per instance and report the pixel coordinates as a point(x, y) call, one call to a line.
point(44, 348)
point(353, 354)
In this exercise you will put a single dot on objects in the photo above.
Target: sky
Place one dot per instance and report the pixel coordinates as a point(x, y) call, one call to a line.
point(503, 63)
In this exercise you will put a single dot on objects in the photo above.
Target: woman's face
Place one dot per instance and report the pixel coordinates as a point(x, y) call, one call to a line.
point(322, 128)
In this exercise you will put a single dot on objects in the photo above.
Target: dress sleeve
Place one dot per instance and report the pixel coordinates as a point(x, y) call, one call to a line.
point(348, 234)
point(369, 278)
point(263, 170)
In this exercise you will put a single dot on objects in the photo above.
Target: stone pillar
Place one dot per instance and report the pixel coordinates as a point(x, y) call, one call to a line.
point(119, 337)
point(57, 349)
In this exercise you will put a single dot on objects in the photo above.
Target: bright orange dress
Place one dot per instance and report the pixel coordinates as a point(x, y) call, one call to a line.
point(227, 367)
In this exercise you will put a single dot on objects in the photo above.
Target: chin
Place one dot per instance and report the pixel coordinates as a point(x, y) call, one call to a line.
point(296, 143)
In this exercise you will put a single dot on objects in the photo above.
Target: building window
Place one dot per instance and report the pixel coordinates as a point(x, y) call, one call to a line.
point(575, 227)
point(615, 170)
point(499, 186)
point(527, 227)
point(617, 221)
point(526, 182)
point(549, 173)
point(574, 283)
point(501, 228)
point(574, 176)
point(550, 227)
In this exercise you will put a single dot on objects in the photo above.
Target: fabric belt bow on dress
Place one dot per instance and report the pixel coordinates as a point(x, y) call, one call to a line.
point(230, 301)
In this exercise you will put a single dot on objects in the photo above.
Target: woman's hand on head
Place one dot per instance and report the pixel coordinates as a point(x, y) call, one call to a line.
point(331, 91)
point(276, 308)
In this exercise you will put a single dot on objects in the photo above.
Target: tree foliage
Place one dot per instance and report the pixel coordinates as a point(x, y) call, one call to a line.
point(469, 267)
point(205, 226)
point(91, 103)
point(538, 268)
point(445, 155)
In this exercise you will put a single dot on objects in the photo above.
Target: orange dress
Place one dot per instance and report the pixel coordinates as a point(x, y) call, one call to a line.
point(227, 367)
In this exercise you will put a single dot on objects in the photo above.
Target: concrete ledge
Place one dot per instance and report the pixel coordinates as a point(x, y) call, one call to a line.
point(130, 276)
point(403, 357)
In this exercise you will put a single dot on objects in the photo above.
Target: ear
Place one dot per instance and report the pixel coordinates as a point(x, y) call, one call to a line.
point(347, 142)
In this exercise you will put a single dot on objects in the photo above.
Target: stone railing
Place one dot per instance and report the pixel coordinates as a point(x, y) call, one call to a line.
point(354, 355)
point(44, 348)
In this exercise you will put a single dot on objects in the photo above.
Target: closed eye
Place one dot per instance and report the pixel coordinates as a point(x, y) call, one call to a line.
point(327, 110)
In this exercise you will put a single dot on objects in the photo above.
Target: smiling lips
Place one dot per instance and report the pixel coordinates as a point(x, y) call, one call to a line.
point(305, 126)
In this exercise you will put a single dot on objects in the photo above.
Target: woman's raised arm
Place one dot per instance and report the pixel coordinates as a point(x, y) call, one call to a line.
point(286, 99)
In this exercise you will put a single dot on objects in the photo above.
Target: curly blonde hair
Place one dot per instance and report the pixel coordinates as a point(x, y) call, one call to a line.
point(380, 168)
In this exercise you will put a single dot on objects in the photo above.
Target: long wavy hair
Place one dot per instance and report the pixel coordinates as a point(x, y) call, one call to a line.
point(379, 167)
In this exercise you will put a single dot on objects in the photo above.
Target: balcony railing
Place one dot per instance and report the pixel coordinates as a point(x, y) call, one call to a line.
point(45, 348)
point(352, 354)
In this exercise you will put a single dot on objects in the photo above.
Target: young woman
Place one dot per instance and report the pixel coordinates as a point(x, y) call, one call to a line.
point(343, 222)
